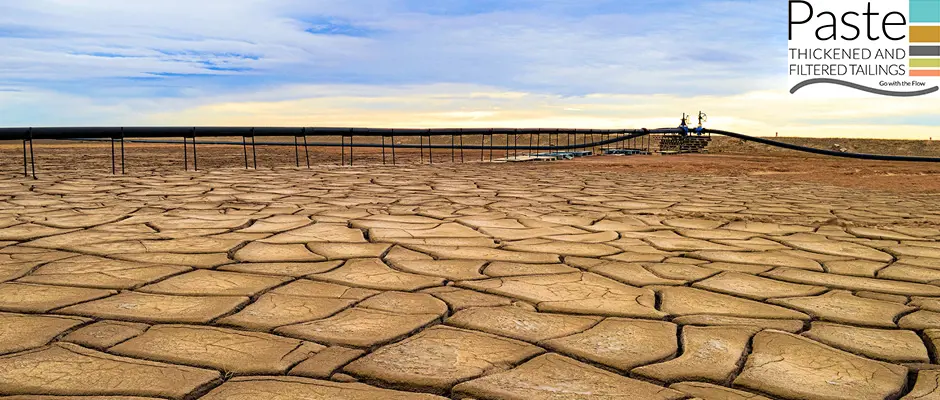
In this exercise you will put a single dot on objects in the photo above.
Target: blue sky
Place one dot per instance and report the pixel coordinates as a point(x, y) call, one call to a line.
point(389, 62)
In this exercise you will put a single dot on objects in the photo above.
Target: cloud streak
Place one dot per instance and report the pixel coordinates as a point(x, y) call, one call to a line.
point(562, 46)
point(387, 61)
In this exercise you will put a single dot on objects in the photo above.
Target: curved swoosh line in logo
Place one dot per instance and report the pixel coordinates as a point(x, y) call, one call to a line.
point(862, 88)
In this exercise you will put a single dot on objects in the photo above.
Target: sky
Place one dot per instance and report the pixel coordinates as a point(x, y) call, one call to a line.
point(420, 63)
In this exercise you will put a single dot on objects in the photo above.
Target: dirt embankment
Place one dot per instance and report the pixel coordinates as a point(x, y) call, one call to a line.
point(729, 157)
point(922, 148)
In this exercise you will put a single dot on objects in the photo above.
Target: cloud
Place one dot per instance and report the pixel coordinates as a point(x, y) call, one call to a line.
point(572, 47)
point(762, 113)
point(596, 63)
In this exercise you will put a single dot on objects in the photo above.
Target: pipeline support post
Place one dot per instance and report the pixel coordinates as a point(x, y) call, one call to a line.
point(296, 153)
point(32, 156)
point(306, 149)
point(195, 157)
point(122, 152)
point(394, 161)
point(254, 152)
point(530, 144)
point(113, 166)
point(245, 149)
point(114, 155)
point(491, 145)
point(25, 165)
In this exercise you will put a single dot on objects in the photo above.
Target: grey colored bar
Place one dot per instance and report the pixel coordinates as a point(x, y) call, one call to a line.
point(925, 51)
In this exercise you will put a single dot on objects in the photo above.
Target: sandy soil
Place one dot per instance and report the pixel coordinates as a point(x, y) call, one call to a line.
point(729, 158)
point(614, 276)
point(922, 148)
point(891, 176)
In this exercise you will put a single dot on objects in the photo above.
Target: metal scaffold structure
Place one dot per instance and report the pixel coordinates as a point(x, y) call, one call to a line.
point(537, 144)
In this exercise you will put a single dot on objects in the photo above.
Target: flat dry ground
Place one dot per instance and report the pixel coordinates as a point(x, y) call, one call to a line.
point(729, 158)
point(654, 277)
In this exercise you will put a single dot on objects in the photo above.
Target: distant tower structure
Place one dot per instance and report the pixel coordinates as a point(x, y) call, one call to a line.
point(684, 125)
point(683, 141)
point(702, 118)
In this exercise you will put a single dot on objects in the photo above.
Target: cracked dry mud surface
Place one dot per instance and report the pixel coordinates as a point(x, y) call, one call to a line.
point(479, 282)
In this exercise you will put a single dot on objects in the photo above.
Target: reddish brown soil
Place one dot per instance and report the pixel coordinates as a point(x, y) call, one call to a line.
point(142, 158)
point(891, 176)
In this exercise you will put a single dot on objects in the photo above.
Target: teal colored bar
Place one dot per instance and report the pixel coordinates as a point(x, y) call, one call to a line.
point(925, 11)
